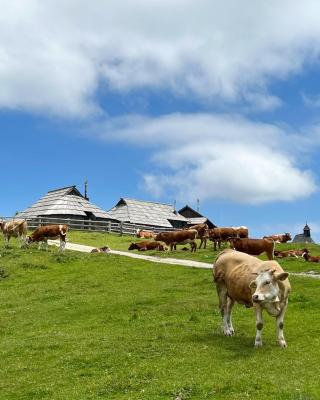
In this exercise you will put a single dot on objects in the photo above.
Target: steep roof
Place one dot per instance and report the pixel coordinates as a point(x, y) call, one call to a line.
point(64, 201)
point(194, 217)
point(145, 213)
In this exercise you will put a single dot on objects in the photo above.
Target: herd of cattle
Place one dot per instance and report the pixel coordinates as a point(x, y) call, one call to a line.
point(239, 276)
point(237, 237)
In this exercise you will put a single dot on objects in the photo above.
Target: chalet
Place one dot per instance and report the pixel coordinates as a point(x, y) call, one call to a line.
point(194, 217)
point(64, 203)
point(147, 213)
point(304, 237)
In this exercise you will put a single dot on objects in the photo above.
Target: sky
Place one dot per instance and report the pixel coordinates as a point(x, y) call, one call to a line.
point(165, 101)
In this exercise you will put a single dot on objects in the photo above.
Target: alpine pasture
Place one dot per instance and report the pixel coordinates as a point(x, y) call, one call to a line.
point(100, 326)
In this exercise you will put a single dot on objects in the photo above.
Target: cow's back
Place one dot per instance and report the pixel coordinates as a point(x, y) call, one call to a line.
point(235, 270)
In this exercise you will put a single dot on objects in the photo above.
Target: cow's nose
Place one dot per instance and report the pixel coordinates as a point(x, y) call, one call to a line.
point(255, 297)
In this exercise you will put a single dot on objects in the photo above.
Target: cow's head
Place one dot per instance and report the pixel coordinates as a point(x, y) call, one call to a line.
point(265, 286)
point(133, 246)
point(29, 240)
point(287, 236)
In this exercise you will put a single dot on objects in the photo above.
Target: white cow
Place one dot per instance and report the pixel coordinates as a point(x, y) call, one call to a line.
point(247, 280)
point(15, 228)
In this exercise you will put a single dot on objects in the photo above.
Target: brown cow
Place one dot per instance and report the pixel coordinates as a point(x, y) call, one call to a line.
point(145, 234)
point(255, 247)
point(249, 281)
point(290, 253)
point(219, 235)
point(281, 238)
point(147, 245)
point(310, 258)
point(104, 249)
point(15, 228)
point(179, 237)
point(202, 230)
point(43, 233)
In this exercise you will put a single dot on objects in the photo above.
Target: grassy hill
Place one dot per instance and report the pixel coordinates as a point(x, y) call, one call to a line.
point(84, 326)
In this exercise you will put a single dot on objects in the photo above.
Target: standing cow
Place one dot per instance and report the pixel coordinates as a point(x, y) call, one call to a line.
point(249, 281)
point(254, 247)
point(43, 233)
point(179, 237)
point(202, 230)
point(15, 228)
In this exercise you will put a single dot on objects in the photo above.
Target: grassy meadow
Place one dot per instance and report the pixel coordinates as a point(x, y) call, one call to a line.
point(99, 326)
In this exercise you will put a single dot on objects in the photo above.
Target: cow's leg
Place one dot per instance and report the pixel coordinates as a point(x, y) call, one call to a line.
point(215, 245)
point(279, 322)
point(230, 304)
point(204, 243)
point(223, 304)
point(46, 243)
point(39, 245)
point(62, 244)
point(259, 326)
point(195, 246)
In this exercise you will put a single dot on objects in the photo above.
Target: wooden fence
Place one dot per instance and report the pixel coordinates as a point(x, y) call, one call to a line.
point(122, 228)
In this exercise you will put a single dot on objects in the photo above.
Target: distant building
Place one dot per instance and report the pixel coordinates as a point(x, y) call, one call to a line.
point(304, 237)
point(194, 217)
point(147, 213)
point(64, 203)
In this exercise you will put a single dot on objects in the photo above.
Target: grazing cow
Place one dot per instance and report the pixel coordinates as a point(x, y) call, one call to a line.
point(284, 238)
point(15, 228)
point(179, 237)
point(290, 253)
point(310, 258)
point(202, 230)
point(219, 235)
point(104, 249)
point(145, 234)
point(43, 233)
point(249, 281)
point(254, 247)
point(147, 245)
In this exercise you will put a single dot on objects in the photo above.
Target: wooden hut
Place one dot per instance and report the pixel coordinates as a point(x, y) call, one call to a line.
point(65, 203)
point(148, 214)
point(194, 217)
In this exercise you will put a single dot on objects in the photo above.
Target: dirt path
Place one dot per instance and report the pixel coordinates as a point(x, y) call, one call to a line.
point(187, 263)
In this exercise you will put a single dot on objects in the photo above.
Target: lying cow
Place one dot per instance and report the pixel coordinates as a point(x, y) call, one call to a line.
point(249, 281)
point(15, 228)
point(179, 237)
point(43, 233)
point(290, 253)
point(284, 238)
point(202, 230)
point(147, 245)
point(145, 234)
point(254, 247)
point(104, 249)
point(308, 257)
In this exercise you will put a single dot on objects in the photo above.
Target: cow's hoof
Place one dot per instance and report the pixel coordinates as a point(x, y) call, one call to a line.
point(258, 345)
point(228, 332)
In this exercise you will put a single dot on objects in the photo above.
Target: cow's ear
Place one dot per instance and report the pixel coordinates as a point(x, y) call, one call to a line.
point(282, 276)
point(253, 284)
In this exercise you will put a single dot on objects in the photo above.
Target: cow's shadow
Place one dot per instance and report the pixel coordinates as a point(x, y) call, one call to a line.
point(238, 345)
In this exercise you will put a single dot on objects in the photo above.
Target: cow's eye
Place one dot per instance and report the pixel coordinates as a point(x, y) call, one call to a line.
point(267, 282)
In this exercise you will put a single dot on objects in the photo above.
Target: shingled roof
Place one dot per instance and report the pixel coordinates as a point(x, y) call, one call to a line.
point(147, 213)
point(67, 201)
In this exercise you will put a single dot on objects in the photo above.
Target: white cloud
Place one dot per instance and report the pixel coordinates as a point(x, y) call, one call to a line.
point(55, 53)
point(210, 156)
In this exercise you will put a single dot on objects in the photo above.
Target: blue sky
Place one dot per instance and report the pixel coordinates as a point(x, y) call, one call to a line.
point(165, 101)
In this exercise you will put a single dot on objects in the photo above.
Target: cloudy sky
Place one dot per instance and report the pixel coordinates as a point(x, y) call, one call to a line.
point(165, 100)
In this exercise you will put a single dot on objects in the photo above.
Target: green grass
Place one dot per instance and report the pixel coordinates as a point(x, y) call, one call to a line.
point(117, 242)
point(85, 326)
